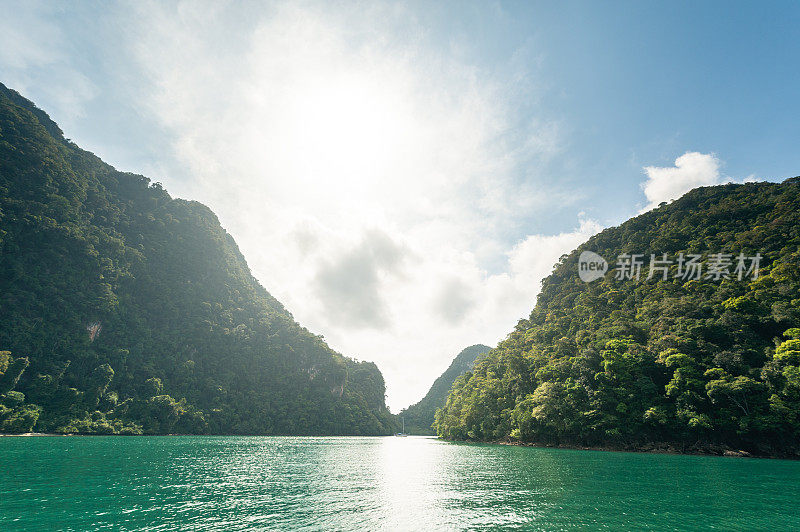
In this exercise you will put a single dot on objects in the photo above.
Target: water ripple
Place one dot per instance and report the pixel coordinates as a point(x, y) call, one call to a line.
point(247, 483)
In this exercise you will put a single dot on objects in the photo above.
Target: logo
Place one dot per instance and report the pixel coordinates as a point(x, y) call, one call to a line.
point(591, 266)
point(686, 267)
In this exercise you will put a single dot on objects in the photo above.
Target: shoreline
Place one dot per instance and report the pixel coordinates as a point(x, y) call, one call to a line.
point(92, 434)
point(30, 434)
point(654, 448)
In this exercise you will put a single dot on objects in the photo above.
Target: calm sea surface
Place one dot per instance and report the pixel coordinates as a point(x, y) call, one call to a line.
point(240, 483)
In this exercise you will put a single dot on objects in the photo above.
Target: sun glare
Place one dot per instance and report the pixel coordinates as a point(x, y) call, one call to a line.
point(351, 131)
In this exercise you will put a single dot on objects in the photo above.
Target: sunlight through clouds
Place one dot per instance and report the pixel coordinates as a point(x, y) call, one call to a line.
point(368, 180)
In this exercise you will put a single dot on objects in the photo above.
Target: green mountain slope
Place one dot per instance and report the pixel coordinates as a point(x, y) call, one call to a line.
point(690, 364)
point(419, 417)
point(125, 310)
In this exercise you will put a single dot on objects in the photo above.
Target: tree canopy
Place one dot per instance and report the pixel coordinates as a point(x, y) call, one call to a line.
point(125, 310)
point(691, 363)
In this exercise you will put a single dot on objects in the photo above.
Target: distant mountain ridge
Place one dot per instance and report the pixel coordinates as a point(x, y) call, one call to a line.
point(125, 310)
point(419, 417)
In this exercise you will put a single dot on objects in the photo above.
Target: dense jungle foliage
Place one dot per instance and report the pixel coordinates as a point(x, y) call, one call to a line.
point(123, 310)
point(419, 416)
point(690, 364)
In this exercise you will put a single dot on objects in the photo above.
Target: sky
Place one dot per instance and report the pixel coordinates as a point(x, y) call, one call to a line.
point(403, 175)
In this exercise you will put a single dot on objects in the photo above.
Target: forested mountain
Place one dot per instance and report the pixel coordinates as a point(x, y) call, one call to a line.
point(127, 311)
point(419, 417)
point(666, 360)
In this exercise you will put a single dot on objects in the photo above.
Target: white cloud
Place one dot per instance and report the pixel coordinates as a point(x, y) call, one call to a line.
point(691, 170)
point(349, 288)
point(367, 177)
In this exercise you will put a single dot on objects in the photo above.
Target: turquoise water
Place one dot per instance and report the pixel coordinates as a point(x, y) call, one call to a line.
point(239, 483)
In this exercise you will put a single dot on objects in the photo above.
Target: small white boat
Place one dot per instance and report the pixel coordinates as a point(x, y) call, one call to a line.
point(403, 433)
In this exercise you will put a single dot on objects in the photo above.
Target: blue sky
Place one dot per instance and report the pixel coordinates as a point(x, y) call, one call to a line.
point(638, 83)
point(402, 175)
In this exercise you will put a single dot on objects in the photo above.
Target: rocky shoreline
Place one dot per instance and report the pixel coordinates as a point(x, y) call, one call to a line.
point(654, 448)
